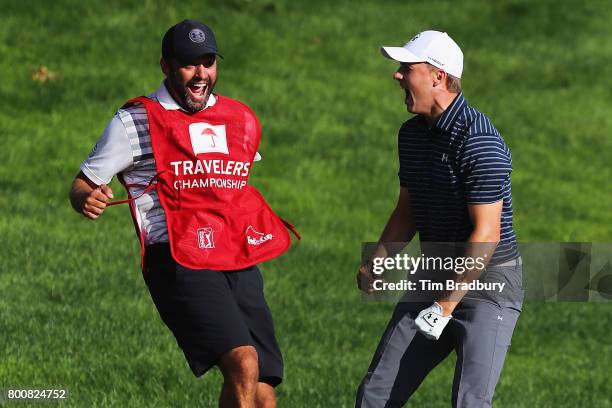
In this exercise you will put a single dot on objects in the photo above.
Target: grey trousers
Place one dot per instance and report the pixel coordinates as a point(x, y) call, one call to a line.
point(480, 333)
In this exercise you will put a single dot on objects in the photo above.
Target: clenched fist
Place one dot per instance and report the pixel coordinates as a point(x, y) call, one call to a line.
point(365, 278)
point(89, 199)
point(96, 201)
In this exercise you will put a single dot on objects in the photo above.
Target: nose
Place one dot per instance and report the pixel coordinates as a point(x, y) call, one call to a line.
point(201, 71)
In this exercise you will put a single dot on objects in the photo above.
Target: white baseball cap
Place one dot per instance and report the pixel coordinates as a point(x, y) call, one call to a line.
point(434, 47)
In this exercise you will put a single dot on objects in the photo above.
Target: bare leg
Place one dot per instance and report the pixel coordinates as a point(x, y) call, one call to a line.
point(265, 396)
point(240, 375)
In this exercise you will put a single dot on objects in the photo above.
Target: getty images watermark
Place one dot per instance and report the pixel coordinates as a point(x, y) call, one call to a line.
point(411, 265)
point(543, 271)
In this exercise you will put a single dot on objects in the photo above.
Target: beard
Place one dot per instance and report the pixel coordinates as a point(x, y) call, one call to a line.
point(182, 92)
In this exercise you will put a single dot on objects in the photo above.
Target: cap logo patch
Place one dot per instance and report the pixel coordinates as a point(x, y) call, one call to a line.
point(415, 37)
point(197, 36)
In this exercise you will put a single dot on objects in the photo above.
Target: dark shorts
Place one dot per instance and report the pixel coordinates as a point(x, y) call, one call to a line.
point(211, 312)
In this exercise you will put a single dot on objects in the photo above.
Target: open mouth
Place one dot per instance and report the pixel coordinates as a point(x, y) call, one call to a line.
point(198, 91)
point(408, 98)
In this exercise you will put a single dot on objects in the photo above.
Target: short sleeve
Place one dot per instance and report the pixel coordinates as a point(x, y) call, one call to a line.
point(111, 154)
point(486, 164)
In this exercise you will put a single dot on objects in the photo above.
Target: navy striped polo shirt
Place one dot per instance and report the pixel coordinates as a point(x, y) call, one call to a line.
point(461, 160)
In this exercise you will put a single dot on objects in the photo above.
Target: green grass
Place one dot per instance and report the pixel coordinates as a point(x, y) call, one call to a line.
point(74, 311)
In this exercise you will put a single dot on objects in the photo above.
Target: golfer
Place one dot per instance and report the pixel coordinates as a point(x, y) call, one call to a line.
point(184, 155)
point(454, 188)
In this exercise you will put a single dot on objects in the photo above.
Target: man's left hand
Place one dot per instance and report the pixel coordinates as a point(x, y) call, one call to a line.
point(431, 321)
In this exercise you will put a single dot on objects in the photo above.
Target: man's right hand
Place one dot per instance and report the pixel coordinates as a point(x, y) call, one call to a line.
point(89, 199)
point(96, 201)
point(398, 232)
point(365, 278)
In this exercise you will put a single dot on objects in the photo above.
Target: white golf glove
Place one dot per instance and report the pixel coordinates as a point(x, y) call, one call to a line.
point(430, 321)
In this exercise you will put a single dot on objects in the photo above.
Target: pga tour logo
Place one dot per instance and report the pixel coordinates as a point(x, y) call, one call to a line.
point(256, 237)
point(206, 138)
point(205, 238)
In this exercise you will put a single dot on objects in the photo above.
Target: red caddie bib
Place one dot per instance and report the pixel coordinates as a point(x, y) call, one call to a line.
point(215, 219)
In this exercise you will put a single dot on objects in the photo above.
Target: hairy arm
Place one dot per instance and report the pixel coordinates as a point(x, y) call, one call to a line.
point(88, 198)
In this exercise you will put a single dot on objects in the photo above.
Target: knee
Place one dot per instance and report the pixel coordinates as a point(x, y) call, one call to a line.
point(265, 397)
point(241, 364)
point(268, 401)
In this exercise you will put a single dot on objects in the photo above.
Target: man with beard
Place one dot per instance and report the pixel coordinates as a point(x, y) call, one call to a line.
point(455, 193)
point(218, 317)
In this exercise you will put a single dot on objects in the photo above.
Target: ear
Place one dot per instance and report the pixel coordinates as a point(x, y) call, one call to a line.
point(439, 77)
point(165, 67)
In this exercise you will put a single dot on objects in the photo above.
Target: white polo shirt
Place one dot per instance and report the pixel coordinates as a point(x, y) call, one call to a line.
point(125, 148)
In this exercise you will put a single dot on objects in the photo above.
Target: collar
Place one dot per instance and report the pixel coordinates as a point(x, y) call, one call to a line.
point(447, 119)
point(167, 101)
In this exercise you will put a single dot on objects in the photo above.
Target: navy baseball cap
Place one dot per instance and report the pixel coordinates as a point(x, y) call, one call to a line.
point(188, 40)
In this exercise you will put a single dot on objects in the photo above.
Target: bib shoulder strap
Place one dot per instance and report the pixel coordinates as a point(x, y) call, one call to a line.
point(139, 100)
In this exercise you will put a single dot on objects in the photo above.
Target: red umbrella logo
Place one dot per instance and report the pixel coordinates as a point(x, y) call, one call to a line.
point(212, 134)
